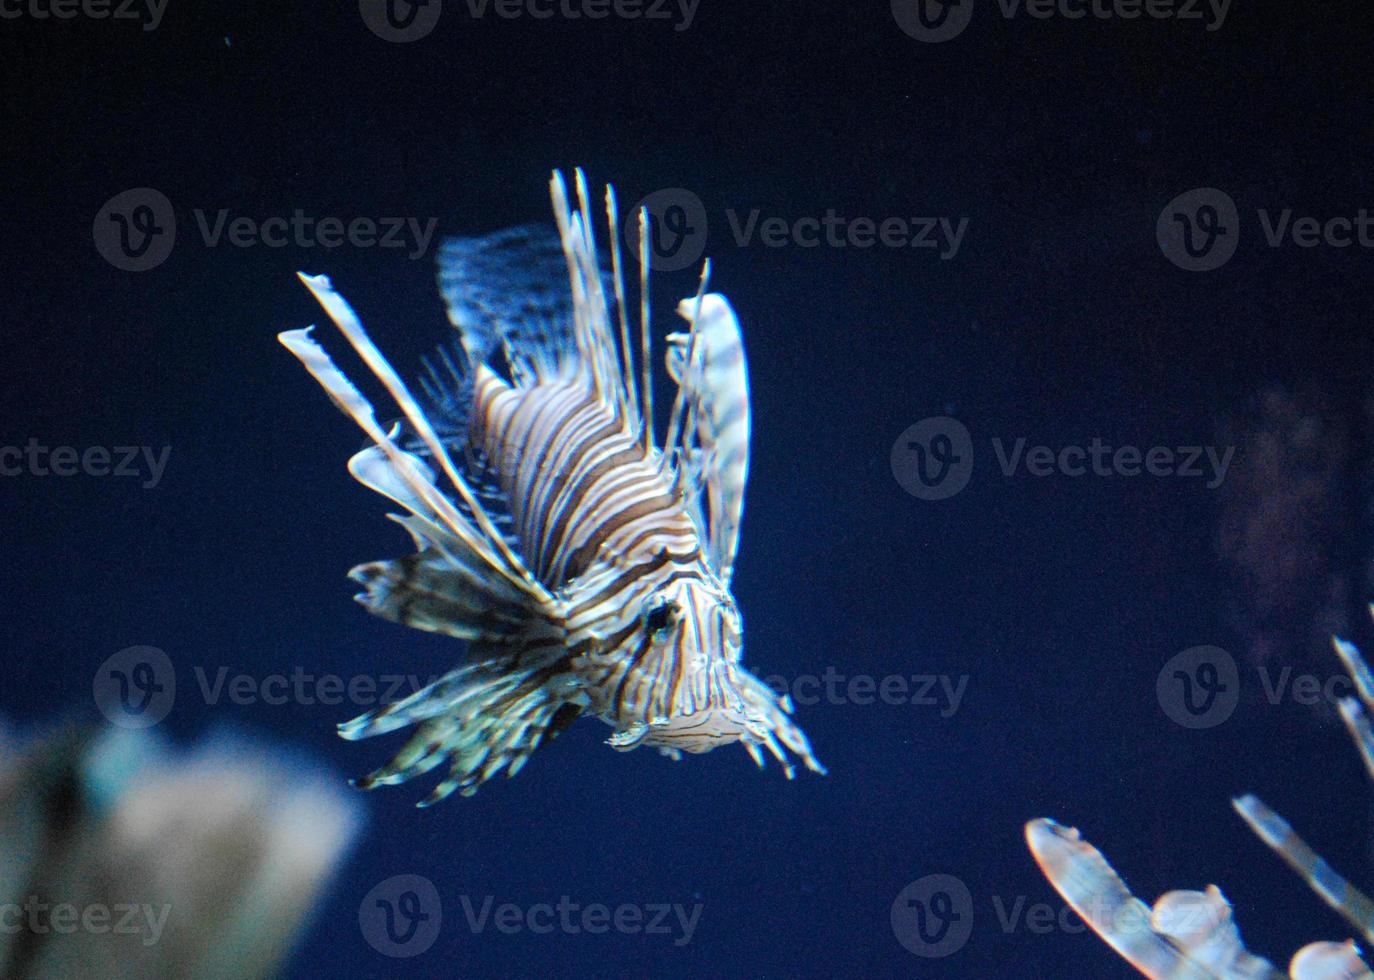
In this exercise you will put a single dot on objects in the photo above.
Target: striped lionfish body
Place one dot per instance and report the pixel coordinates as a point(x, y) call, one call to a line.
point(587, 568)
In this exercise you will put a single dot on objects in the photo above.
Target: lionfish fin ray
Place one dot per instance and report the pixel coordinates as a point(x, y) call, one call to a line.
point(408, 478)
point(595, 339)
point(626, 352)
point(509, 563)
point(716, 388)
point(1343, 897)
point(1185, 934)
point(478, 719)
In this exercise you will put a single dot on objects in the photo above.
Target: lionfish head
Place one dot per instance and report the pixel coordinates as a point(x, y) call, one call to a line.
point(697, 639)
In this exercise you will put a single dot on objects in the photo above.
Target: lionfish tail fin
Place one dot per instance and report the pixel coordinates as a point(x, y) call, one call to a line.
point(507, 296)
point(478, 719)
point(536, 304)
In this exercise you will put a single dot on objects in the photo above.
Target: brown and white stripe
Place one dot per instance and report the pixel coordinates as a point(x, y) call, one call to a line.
point(594, 576)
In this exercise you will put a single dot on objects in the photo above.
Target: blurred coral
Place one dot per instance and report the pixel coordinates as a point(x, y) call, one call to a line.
point(121, 858)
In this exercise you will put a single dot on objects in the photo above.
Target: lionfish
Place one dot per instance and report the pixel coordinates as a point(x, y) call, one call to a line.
point(1189, 934)
point(586, 567)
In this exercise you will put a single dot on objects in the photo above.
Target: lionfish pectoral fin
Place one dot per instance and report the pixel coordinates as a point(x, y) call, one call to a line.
point(714, 444)
point(478, 719)
point(390, 469)
point(448, 586)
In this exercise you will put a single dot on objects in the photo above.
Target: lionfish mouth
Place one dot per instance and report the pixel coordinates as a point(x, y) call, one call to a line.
point(755, 717)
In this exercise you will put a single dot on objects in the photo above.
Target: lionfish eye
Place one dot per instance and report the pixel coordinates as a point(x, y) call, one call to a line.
point(660, 617)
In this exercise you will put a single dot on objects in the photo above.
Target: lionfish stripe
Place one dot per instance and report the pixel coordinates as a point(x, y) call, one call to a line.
point(592, 329)
point(447, 587)
point(1351, 903)
point(618, 273)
